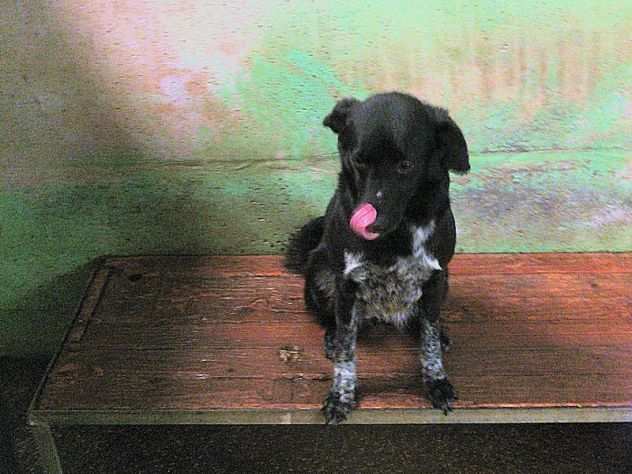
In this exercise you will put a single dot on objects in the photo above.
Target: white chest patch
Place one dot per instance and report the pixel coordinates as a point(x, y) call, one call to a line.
point(420, 237)
point(390, 293)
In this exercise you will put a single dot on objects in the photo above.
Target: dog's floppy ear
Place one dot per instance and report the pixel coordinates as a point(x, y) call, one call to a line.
point(337, 118)
point(452, 142)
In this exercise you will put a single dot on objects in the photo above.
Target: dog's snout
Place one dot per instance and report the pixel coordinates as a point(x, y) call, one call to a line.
point(377, 228)
point(381, 224)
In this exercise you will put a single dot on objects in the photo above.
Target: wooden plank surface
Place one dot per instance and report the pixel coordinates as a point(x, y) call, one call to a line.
point(202, 336)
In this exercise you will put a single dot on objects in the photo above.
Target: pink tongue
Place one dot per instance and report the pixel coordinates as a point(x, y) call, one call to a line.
point(363, 216)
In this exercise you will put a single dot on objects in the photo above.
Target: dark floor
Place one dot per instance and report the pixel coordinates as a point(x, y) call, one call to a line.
point(205, 449)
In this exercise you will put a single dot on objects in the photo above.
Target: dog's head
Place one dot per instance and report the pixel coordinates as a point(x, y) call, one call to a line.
point(393, 149)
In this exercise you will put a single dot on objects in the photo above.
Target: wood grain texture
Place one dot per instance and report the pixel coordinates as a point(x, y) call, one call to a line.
point(223, 334)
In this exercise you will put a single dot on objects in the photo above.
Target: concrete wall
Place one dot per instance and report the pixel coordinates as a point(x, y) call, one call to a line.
point(133, 127)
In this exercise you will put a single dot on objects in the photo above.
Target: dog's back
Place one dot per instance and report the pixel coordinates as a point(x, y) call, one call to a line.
point(302, 243)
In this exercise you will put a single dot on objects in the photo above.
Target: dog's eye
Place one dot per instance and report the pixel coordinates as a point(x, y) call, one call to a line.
point(405, 166)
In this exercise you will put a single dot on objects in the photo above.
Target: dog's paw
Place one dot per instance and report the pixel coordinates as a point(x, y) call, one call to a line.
point(441, 394)
point(337, 407)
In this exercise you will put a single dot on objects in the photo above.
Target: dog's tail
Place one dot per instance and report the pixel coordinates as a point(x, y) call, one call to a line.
point(302, 243)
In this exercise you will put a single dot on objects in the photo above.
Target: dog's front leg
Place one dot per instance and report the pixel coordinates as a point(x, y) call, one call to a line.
point(341, 398)
point(440, 390)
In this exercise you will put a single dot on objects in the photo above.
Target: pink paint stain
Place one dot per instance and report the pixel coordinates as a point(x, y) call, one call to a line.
point(175, 88)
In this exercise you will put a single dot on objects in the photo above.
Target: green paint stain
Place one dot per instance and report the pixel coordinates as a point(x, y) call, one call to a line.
point(312, 54)
point(287, 98)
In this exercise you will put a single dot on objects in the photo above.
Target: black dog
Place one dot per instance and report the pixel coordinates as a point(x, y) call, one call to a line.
point(381, 250)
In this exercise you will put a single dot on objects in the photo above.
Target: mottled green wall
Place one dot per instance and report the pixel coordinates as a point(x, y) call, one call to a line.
point(195, 127)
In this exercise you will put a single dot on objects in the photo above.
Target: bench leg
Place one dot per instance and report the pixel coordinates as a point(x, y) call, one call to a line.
point(46, 447)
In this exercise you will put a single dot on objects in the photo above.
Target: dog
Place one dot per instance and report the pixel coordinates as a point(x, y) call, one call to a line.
point(382, 248)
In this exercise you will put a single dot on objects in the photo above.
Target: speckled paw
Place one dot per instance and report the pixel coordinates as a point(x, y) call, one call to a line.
point(335, 409)
point(441, 394)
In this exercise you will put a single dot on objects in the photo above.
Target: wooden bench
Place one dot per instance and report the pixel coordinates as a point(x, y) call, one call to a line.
point(217, 340)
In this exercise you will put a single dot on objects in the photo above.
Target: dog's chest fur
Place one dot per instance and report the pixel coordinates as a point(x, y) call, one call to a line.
point(390, 293)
